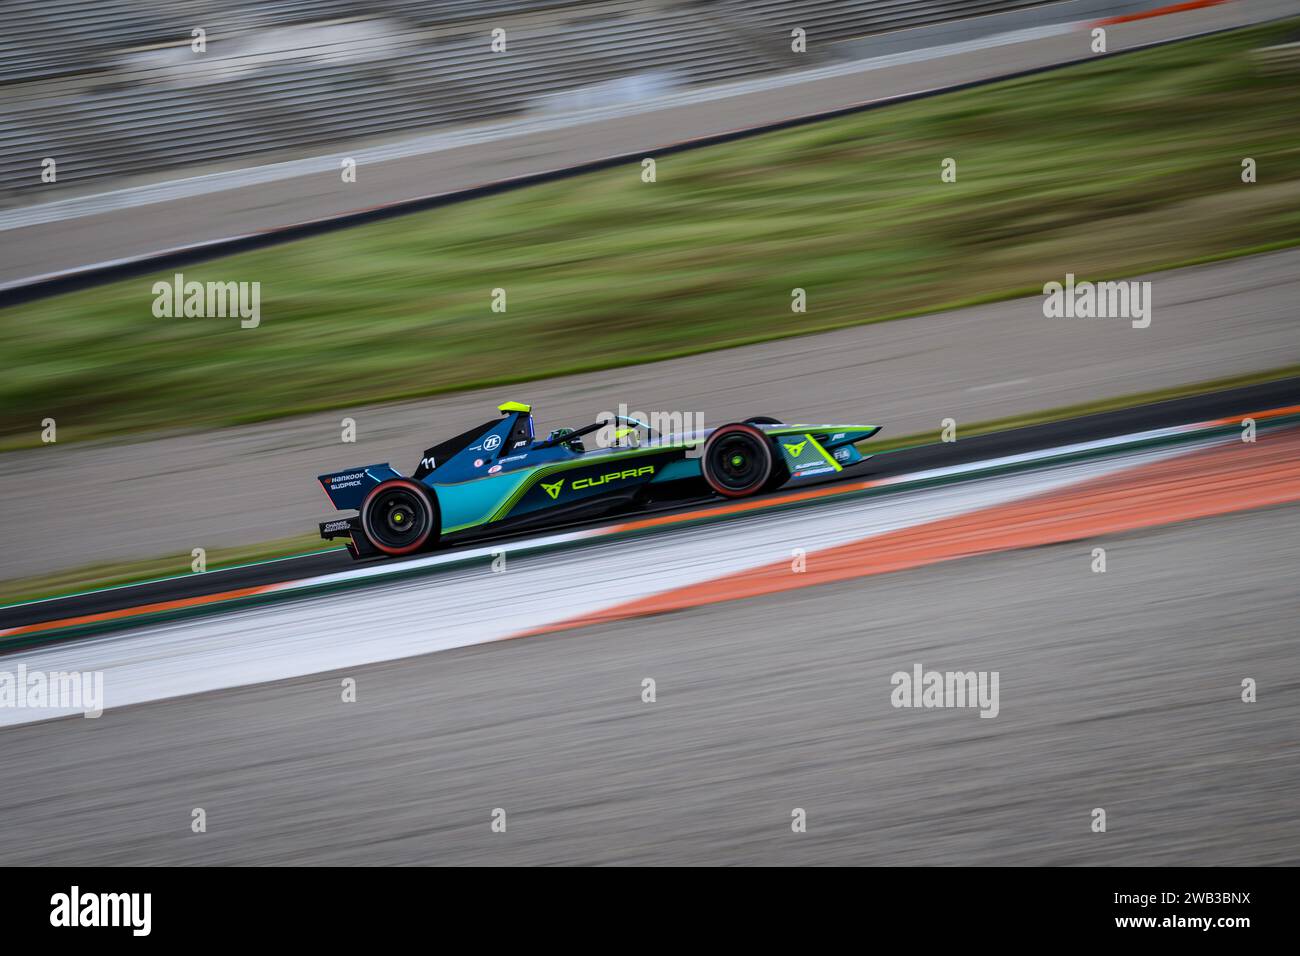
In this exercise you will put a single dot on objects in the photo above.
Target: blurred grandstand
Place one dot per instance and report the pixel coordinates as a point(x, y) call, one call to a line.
point(111, 88)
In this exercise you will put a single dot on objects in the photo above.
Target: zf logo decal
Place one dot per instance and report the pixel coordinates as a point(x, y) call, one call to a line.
point(795, 450)
point(491, 442)
point(553, 490)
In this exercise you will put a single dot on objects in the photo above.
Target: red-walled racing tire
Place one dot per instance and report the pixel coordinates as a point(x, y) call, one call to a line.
point(400, 516)
point(737, 461)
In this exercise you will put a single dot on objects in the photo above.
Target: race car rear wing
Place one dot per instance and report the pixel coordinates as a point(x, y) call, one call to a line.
point(347, 489)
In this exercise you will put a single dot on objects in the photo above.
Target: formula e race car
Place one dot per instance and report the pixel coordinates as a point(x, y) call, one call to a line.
point(497, 478)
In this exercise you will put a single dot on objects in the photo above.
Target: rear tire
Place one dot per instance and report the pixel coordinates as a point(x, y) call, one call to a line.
point(737, 461)
point(400, 516)
point(763, 420)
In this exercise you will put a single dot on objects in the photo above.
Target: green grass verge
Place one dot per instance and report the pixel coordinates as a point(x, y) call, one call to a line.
point(109, 575)
point(1110, 168)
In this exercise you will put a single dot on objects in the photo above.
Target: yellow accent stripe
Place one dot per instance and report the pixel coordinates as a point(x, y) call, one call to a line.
point(825, 454)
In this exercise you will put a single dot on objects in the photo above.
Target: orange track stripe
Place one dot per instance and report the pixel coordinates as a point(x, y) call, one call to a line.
point(1217, 481)
point(1158, 12)
point(741, 506)
point(1271, 413)
point(141, 609)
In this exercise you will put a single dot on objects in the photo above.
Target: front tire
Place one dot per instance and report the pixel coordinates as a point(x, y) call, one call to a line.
point(400, 516)
point(738, 461)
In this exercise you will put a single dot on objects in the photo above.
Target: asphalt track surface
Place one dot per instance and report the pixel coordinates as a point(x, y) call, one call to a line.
point(1212, 406)
point(56, 247)
point(1118, 690)
point(247, 485)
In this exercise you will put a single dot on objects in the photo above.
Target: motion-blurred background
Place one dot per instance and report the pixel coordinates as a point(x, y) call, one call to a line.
point(917, 169)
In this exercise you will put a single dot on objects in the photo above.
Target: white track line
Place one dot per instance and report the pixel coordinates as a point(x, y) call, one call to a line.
point(473, 605)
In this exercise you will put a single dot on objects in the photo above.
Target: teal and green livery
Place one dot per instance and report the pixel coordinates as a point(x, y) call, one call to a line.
point(499, 477)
